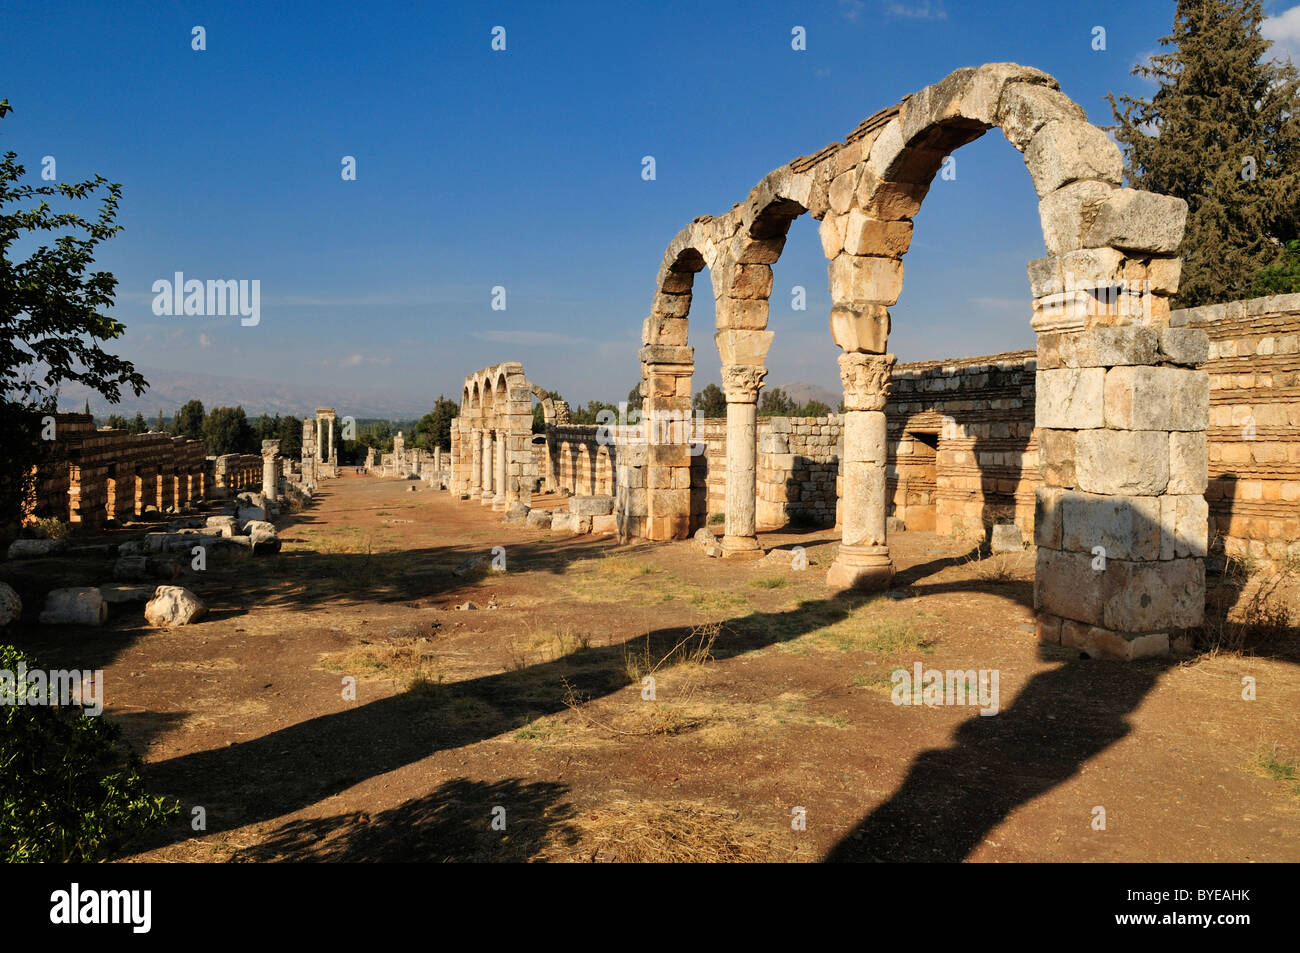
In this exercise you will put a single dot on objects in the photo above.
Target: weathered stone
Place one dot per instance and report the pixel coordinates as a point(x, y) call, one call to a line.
point(1184, 526)
point(120, 593)
point(1189, 347)
point(1098, 347)
point(1045, 277)
point(588, 506)
point(1065, 151)
point(35, 548)
point(1070, 398)
point(246, 513)
point(1154, 596)
point(1056, 457)
point(1066, 585)
point(132, 568)
point(604, 524)
point(225, 525)
point(516, 513)
point(1065, 212)
point(1047, 516)
point(864, 329)
point(1140, 222)
point(1124, 462)
point(1024, 109)
point(539, 519)
point(866, 280)
point(1101, 643)
point(866, 236)
point(1124, 527)
point(81, 605)
point(1157, 398)
point(1006, 538)
point(1188, 462)
point(174, 605)
point(11, 606)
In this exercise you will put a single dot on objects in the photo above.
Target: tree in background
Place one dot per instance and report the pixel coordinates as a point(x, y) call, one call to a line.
point(634, 398)
point(226, 430)
point(117, 422)
point(434, 428)
point(290, 436)
point(161, 425)
point(137, 424)
point(189, 420)
point(1222, 132)
point(1282, 278)
point(775, 403)
point(711, 402)
point(51, 320)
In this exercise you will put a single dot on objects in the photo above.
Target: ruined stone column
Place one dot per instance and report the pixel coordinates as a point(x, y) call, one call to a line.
point(270, 471)
point(320, 436)
point(741, 382)
point(488, 496)
point(863, 560)
point(475, 463)
point(329, 447)
point(500, 501)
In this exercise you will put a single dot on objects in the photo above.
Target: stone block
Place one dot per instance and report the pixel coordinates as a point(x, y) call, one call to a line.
point(1064, 213)
point(1006, 538)
point(1157, 398)
point(1125, 527)
point(78, 605)
point(1070, 398)
point(591, 505)
point(1142, 222)
point(1189, 347)
point(866, 280)
point(1123, 462)
point(1154, 596)
point(863, 330)
point(1102, 643)
point(1065, 151)
point(866, 236)
point(1188, 462)
point(1066, 585)
point(1025, 108)
point(1184, 525)
point(1045, 277)
point(1047, 516)
point(604, 524)
point(1098, 347)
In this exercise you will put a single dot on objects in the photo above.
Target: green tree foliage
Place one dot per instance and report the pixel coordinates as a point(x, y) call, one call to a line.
point(51, 317)
point(1282, 278)
point(775, 403)
point(290, 436)
point(160, 425)
point(711, 402)
point(1222, 132)
point(137, 424)
point(634, 398)
point(434, 428)
point(116, 421)
point(70, 789)
point(189, 420)
point(226, 430)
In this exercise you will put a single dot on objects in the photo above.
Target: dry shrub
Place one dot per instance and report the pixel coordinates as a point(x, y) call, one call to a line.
point(1249, 605)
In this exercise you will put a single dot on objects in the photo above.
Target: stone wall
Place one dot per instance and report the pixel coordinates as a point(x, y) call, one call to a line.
point(1254, 432)
point(92, 476)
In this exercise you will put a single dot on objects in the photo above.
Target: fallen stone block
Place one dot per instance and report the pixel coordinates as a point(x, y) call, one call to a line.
point(472, 563)
point(131, 568)
point(591, 505)
point(34, 548)
point(225, 525)
point(11, 606)
point(81, 605)
point(604, 524)
point(119, 593)
point(246, 513)
point(1006, 538)
point(173, 605)
point(517, 513)
point(539, 519)
point(704, 538)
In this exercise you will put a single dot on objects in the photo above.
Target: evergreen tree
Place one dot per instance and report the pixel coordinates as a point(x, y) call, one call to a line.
point(189, 420)
point(1221, 132)
point(711, 402)
point(138, 425)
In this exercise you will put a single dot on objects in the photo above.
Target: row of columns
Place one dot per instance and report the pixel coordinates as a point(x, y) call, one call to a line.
point(488, 468)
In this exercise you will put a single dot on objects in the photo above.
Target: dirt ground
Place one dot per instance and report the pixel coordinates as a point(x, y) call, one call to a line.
point(771, 733)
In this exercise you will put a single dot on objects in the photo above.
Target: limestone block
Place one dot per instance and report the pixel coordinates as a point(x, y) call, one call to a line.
point(1063, 214)
point(865, 279)
point(743, 347)
point(604, 524)
point(1025, 108)
point(1140, 222)
point(866, 236)
point(1125, 527)
point(866, 443)
point(1098, 347)
point(588, 506)
point(886, 150)
point(1189, 347)
point(1188, 462)
point(80, 605)
point(751, 281)
point(11, 605)
point(1066, 585)
point(831, 232)
point(1126, 462)
point(173, 605)
point(1184, 525)
point(1045, 277)
point(1154, 596)
point(516, 513)
point(121, 593)
point(1164, 275)
point(1092, 268)
point(1065, 151)
point(863, 330)
point(1006, 538)
point(1098, 642)
point(1047, 516)
point(1157, 398)
point(981, 97)
point(225, 525)
point(841, 192)
point(1070, 398)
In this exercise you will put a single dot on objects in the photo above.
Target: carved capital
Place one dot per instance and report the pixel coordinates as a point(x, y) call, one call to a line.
point(741, 382)
point(866, 380)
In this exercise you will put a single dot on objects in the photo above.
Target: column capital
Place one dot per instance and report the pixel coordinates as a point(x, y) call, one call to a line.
point(741, 382)
point(866, 380)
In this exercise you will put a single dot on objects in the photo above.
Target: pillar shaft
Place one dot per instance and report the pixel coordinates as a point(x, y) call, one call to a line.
point(500, 501)
point(489, 493)
point(863, 559)
point(475, 474)
point(741, 383)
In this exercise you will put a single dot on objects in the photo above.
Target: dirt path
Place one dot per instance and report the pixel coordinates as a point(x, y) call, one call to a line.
point(534, 703)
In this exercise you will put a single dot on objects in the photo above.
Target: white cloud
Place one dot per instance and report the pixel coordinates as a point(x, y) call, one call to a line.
point(1284, 31)
point(852, 10)
point(917, 10)
point(358, 360)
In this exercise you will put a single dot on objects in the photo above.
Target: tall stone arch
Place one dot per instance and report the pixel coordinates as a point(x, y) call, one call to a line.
point(1122, 405)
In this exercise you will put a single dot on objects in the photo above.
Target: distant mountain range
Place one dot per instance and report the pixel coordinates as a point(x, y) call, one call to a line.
point(801, 392)
point(167, 393)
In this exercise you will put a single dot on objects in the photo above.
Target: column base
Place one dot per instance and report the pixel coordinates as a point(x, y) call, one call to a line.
point(861, 567)
point(500, 503)
point(741, 547)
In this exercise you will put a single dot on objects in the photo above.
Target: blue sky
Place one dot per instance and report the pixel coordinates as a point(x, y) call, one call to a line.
point(521, 169)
